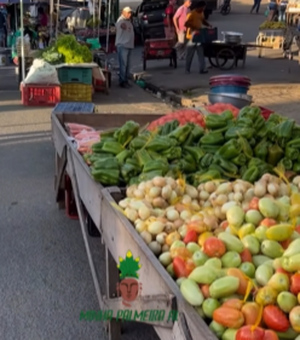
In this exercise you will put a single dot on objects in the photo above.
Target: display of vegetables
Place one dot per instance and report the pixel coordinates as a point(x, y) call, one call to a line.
point(67, 50)
point(245, 147)
point(232, 247)
point(272, 25)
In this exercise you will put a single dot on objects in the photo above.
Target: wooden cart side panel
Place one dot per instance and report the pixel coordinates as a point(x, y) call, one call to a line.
point(120, 236)
point(59, 135)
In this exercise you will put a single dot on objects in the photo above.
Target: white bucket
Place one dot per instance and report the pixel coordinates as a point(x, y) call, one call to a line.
point(3, 59)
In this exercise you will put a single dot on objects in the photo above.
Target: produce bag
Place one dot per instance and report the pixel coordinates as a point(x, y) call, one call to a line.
point(41, 73)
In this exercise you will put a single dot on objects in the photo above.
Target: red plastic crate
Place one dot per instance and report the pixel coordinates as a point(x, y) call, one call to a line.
point(40, 95)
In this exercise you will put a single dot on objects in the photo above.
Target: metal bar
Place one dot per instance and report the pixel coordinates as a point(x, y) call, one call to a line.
point(99, 17)
point(51, 18)
point(83, 228)
point(57, 17)
point(22, 39)
point(108, 25)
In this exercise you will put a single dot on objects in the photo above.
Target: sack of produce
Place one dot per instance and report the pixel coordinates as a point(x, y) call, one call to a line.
point(41, 73)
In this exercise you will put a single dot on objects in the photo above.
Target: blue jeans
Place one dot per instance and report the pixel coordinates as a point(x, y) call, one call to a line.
point(281, 14)
point(124, 57)
point(191, 48)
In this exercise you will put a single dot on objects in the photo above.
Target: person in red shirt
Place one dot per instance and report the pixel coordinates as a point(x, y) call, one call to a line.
point(168, 21)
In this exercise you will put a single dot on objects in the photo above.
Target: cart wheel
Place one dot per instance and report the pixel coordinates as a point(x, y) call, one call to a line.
point(213, 62)
point(92, 229)
point(228, 55)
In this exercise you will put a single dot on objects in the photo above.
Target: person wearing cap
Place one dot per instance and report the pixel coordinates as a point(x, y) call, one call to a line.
point(124, 44)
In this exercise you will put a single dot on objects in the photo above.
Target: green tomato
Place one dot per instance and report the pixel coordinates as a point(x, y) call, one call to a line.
point(217, 329)
point(248, 269)
point(286, 301)
point(231, 259)
point(192, 247)
point(199, 258)
point(209, 306)
point(260, 233)
point(214, 262)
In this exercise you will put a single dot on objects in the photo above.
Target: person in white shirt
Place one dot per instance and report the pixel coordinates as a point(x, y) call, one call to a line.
point(124, 44)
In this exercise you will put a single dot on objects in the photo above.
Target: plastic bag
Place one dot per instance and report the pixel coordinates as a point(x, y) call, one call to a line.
point(87, 135)
point(41, 73)
point(85, 146)
point(74, 129)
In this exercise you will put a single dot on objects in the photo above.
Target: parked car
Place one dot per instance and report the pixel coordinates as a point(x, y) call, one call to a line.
point(149, 19)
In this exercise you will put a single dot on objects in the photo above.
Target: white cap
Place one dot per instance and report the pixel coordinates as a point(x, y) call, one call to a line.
point(127, 9)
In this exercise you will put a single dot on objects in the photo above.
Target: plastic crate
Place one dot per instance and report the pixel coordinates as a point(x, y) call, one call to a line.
point(40, 95)
point(205, 35)
point(75, 75)
point(74, 108)
point(76, 93)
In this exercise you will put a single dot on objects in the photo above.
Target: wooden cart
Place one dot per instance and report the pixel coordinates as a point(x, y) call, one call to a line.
point(159, 291)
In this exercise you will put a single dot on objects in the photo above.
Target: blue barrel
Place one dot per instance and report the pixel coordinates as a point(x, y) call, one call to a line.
point(229, 89)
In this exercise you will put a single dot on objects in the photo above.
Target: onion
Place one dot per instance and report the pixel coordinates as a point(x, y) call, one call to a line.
point(165, 248)
point(260, 188)
point(195, 206)
point(178, 223)
point(130, 191)
point(171, 181)
point(139, 194)
point(221, 199)
point(159, 181)
point(211, 222)
point(155, 192)
point(134, 204)
point(148, 185)
point(245, 206)
point(197, 217)
point(273, 189)
point(283, 189)
point(204, 195)
point(267, 177)
point(191, 191)
point(238, 197)
point(172, 215)
point(213, 198)
point(142, 186)
point(296, 180)
point(156, 227)
point(182, 230)
point(219, 214)
point(146, 236)
point(239, 187)
point(158, 212)
point(207, 204)
point(140, 227)
point(179, 191)
point(161, 238)
point(210, 187)
point(186, 200)
point(144, 213)
point(224, 188)
point(155, 247)
point(131, 214)
point(161, 219)
point(166, 192)
point(185, 215)
point(124, 203)
point(249, 195)
point(200, 187)
point(173, 196)
point(159, 202)
point(169, 227)
point(231, 196)
point(227, 206)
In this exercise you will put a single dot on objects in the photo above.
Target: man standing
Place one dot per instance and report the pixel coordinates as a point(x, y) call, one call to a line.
point(125, 45)
point(194, 22)
point(179, 23)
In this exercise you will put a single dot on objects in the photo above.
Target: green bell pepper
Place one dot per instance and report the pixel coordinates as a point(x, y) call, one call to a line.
point(212, 138)
point(135, 163)
point(294, 143)
point(217, 167)
point(214, 122)
point(160, 143)
point(235, 132)
point(291, 153)
point(226, 165)
point(134, 180)
point(206, 161)
point(284, 129)
point(228, 115)
point(195, 152)
point(181, 133)
point(243, 169)
point(139, 142)
point(244, 122)
point(286, 163)
point(259, 123)
point(239, 160)
point(255, 162)
point(187, 167)
point(194, 136)
point(230, 149)
point(275, 153)
point(127, 132)
point(296, 167)
point(210, 148)
point(148, 176)
point(262, 133)
point(168, 127)
point(245, 147)
point(250, 112)
point(122, 156)
point(172, 153)
point(251, 175)
point(128, 171)
point(296, 132)
point(262, 149)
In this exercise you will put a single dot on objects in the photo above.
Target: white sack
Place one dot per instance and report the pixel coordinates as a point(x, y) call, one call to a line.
point(42, 73)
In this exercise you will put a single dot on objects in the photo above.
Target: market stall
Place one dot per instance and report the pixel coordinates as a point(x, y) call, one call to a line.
point(211, 206)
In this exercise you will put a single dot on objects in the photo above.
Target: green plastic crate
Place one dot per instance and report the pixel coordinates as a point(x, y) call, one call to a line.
point(75, 75)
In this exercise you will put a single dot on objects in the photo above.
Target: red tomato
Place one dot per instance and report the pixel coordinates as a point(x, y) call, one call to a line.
point(270, 335)
point(189, 267)
point(191, 236)
point(285, 244)
point(275, 319)
point(179, 267)
point(224, 225)
point(213, 247)
point(268, 222)
point(246, 255)
point(297, 229)
point(295, 284)
point(247, 333)
point(254, 203)
point(205, 291)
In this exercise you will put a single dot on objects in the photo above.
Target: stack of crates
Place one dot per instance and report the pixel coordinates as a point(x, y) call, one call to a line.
point(76, 84)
